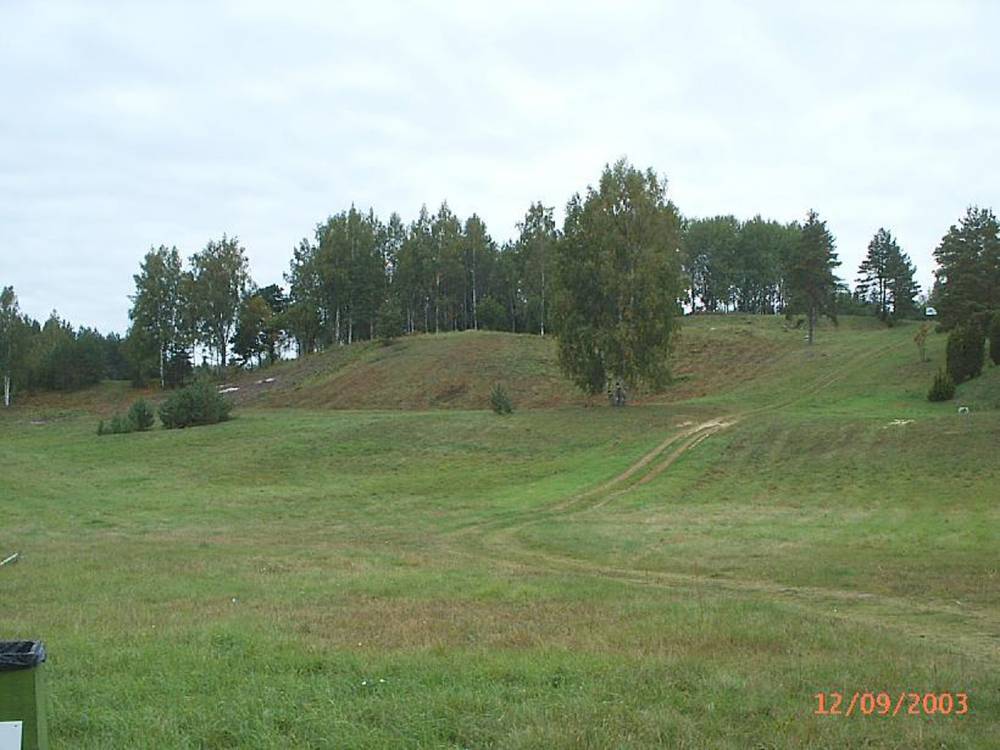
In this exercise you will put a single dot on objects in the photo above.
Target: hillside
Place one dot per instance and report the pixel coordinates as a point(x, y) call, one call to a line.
point(715, 357)
point(457, 370)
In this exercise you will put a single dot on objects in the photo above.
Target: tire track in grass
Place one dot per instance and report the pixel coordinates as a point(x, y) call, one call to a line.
point(497, 542)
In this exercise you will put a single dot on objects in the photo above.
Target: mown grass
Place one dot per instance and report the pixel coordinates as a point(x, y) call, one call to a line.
point(309, 578)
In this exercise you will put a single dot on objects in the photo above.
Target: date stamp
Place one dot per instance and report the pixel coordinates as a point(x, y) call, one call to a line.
point(883, 703)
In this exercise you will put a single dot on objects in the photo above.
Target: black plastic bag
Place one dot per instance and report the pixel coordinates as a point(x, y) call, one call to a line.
point(20, 655)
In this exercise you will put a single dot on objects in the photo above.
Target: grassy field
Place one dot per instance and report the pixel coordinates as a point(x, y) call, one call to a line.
point(687, 572)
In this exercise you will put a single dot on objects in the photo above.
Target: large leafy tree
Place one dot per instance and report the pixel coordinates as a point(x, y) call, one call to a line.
point(449, 275)
point(253, 324)
point(709, 256)
point(478, 252)
point(303, 314)
point(536, 248)
point(158, 307)
point(219, 281)
point(756, 270)
point(348, 262)
point(968, 273)
point(811, 282)
point(617, 275)
point(414, 272)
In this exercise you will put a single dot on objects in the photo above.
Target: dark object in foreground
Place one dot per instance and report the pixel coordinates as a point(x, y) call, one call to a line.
point(943, 387)
point(22, 694)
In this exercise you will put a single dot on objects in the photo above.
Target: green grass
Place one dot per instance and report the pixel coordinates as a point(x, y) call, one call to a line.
point(450, 578)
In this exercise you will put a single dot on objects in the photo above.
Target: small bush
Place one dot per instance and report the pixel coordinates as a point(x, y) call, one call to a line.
point(389, 321)
point(196, 404)
point(119, 425)
point(100, 427)
point(965, 353)
point(943, 387)
point(995, 338)
point(500, 400)
point(140, 416)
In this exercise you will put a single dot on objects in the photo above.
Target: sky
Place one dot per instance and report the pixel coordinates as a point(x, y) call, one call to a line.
point(129, 125)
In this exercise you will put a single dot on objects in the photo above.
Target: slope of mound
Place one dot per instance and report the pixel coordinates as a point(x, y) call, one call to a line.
point(738, 360)
point(449, 370)
point(458, 370)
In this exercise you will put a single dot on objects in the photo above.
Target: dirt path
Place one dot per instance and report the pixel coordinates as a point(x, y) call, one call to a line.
point(499, 542)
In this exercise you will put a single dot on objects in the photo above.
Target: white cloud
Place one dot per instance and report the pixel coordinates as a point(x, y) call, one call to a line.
point(130, 125)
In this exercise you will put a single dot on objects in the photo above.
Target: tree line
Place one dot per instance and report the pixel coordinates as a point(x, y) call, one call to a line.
point(359, 277)
point(53, 355)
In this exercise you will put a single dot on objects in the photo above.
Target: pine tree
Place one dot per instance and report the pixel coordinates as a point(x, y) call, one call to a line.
point(885, 277)
point(968, 273)
point(809, 276)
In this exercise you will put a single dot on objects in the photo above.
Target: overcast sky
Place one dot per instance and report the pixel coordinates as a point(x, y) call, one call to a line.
point(126, 125)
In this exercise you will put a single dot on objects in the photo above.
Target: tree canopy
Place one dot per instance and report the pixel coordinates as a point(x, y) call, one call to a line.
point(968, 273)
point(618, 281)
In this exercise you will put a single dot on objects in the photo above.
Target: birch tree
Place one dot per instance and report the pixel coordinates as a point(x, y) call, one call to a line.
point(618, 276)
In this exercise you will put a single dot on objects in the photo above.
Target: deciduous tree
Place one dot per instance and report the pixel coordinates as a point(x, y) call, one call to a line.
point(617, 276)
point(219, 280)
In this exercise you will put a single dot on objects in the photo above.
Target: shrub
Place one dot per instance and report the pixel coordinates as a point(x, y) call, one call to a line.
point(995, 338)
point(114, 426)
point(140, 416)
point(389, 321)
point(943, 387)
point(196, 404)
point(965, 352)
point(500, 400)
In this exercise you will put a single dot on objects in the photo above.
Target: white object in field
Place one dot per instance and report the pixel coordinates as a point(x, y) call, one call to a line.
point(930, 312)
point(230, 389)
point(10, 735)
point(11, 559)
point(963, 410)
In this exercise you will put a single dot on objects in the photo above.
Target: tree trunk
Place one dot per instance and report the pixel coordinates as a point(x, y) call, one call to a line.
point(543, 300)
point(163, 380)
point(6, 391)
point(812, 323)
point(437, 304)
point(475, 313)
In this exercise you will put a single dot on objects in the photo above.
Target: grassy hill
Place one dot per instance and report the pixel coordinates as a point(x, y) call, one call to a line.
point(714, 355)
point(686, 572)
point(457, 370)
